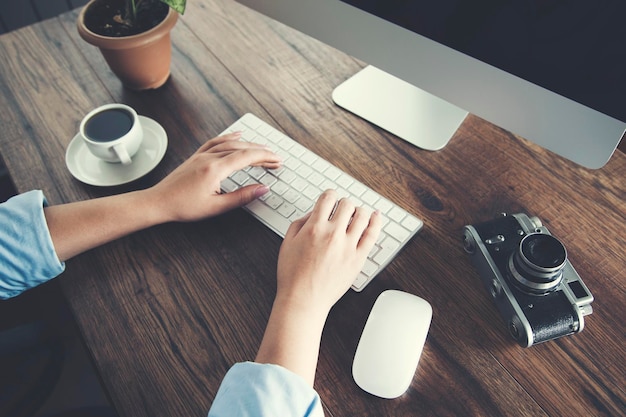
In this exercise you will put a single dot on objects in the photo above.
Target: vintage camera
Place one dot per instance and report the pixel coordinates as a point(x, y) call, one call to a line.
point(526, 271)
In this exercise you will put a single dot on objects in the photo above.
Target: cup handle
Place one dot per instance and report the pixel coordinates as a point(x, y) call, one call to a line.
point(122, 154)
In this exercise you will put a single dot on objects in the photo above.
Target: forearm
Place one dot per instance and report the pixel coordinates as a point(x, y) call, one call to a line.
point(292, 339)
point(80, 226)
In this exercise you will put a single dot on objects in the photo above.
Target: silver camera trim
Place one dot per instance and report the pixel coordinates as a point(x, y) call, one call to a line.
point(537, 286)
point(509, 308)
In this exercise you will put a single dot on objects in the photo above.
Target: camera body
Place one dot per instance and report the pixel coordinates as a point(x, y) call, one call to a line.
point(525, 269)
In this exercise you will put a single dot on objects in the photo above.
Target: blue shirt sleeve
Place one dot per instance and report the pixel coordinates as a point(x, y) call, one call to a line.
point(251, 389)
point(27, 255)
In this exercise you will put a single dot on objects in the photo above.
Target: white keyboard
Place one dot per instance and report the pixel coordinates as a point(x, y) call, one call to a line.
point(295, 187)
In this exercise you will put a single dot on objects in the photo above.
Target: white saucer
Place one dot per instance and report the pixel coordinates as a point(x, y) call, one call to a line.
point(93, 171)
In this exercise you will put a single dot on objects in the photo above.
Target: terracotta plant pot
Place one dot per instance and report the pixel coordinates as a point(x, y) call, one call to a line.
point(140, 61)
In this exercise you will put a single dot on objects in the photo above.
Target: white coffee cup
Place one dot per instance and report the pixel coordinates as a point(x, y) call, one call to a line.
point(112, 132)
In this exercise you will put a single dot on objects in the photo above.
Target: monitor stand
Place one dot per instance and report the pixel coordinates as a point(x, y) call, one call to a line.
point(414, 115)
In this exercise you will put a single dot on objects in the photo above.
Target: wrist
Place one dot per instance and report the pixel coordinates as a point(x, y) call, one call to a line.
point(292, 337)
point(302, 308)
point(153, 206)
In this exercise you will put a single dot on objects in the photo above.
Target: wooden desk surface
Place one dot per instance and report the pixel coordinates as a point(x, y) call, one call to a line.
point(165, 312)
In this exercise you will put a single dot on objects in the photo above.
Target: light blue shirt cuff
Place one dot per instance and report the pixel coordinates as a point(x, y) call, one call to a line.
point(27, 255)
point(251, 389)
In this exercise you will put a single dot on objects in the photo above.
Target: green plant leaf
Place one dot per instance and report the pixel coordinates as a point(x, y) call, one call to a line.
point(178, 5)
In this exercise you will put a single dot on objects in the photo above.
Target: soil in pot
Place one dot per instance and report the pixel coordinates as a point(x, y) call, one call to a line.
point(108, 17)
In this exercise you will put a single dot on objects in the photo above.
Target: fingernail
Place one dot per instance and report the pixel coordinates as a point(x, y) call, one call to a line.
point(261, 191)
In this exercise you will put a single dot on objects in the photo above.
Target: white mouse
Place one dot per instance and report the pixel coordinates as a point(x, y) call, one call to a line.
point(391, 344)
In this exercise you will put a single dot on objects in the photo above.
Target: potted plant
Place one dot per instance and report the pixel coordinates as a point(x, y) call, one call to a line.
point(133, 36)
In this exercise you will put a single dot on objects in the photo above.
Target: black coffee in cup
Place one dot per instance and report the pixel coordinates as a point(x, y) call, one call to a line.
point(108, 125)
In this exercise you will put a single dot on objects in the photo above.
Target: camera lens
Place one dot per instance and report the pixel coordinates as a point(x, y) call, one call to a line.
point(538, 263)
point(543, 251)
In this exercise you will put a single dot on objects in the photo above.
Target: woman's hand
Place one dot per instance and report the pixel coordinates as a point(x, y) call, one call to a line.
point(323, 252)
point(192, 191)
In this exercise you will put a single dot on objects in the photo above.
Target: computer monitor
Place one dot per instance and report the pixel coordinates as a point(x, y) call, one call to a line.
point(551, 71)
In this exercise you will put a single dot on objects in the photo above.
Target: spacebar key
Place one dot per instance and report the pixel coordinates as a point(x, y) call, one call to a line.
point(269, 217)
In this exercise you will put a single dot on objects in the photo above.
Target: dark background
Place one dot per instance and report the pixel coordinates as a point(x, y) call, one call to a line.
point(572, 47)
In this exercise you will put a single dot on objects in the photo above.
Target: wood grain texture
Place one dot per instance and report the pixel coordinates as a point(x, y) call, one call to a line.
point(166, 312)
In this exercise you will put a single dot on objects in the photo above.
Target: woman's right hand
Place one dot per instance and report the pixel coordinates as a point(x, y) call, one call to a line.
point(323, 252)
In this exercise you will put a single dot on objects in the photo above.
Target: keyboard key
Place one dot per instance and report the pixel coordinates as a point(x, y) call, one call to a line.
point(286, 210)
point(398, 232)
